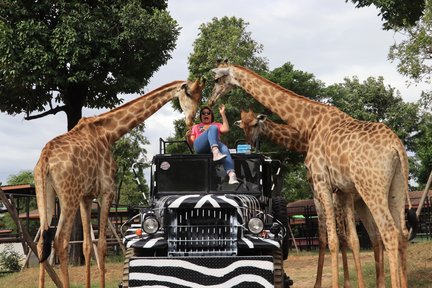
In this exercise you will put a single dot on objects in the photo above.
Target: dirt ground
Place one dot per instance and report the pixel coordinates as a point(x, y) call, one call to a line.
point(301, 268)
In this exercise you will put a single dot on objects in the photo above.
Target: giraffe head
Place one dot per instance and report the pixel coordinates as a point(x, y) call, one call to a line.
point(224, 81)
point(252, 125)
point(189, 95)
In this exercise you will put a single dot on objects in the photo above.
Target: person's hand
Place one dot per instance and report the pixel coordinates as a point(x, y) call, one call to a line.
point(188, 137)
point(222, 109)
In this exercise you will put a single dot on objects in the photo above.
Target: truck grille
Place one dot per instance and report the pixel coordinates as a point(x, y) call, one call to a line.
point(193, 232)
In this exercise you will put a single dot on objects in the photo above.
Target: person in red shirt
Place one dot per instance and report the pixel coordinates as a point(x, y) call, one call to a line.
point(205, 138)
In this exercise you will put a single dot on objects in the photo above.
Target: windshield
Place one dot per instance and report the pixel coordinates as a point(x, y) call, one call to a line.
point(176, 174)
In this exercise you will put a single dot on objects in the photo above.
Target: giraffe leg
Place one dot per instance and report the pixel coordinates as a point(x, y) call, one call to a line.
point(322, 236)
point(326, 200)
point(104, 210)
point(377, 245)
point(62, 237)
point(379, 263)
point(353, 240)
point(397, 200)
point(85, 207)
point(343, 247)
point(390, 237)
point(41, 275)
point(339, 202)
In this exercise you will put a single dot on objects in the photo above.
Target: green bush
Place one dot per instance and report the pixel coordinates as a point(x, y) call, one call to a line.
point(10, 259)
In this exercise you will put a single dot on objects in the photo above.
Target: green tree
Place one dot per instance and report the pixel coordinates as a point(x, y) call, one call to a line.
point(395, 13)
point(23, 177)
point(422, 142)
point(130, 156)
point(79, 53)
point(371, 100)
point(295, 181)
point(413, 53)
point(228, 38)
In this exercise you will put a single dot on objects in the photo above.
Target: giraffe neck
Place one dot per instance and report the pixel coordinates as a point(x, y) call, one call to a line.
point(117, 122)
point(285, 136)
point(300, 112)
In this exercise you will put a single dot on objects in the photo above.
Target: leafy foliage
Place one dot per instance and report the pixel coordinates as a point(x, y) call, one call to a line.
point(373, 101)
point(10, 260)
point(413, 52)
point(130, 156)
point(395, 13)
point(228, 38)
point(80, 53)
point(24, 177)
point(222, 38)
point(422, 141)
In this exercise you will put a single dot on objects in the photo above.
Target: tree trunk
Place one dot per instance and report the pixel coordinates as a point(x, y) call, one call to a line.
point(74, 98)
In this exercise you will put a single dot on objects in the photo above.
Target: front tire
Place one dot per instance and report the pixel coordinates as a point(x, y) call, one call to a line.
point(125, 279)
point(279, 209)
point(278, 271)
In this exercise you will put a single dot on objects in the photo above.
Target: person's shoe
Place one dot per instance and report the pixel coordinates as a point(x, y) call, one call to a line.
point(217, 155)
point(233, 179)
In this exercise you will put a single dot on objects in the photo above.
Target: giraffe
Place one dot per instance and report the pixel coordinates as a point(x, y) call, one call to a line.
point(284, 135)
point(363, 158)
point(78, 166)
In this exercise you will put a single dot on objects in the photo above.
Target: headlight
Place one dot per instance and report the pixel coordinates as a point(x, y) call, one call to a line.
point(255, 225)
point(150, 225)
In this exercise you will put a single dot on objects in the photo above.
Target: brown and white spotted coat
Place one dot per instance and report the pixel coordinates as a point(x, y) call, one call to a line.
point(362, 158)
point(284, 135)
point(78, 167)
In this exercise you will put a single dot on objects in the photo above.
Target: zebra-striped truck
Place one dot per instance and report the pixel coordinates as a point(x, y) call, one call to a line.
point(199, 231)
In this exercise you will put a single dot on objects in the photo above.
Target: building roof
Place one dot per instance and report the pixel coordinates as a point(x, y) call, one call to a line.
point(307, 206)
point(22, 189)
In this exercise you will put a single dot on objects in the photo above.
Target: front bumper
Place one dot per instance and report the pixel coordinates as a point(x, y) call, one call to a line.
point(236, 271)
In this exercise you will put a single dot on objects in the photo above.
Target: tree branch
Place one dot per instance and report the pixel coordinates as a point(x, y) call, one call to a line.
point(51, 111)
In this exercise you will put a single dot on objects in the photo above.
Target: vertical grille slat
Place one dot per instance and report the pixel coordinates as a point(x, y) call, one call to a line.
point(202, 231)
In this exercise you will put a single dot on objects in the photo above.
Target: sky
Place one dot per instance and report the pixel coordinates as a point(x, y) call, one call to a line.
point(330, 39)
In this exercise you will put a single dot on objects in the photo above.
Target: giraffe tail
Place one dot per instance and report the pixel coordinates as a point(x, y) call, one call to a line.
point(412, 223)
point(46, 247)
point(41, 176)
point(411, 215)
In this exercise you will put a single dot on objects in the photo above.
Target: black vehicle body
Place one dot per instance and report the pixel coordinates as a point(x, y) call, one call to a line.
point(204, 236)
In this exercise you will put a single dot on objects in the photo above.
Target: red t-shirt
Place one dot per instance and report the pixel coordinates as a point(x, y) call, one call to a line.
point(200, 128)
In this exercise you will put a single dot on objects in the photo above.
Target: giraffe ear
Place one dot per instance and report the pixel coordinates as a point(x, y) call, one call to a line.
point(219, 72)
point(238, 123)
point(261, 117)
point(185, 87)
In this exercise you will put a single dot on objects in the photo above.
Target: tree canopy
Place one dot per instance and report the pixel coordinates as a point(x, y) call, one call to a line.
point(228, 38)
point(413, 53)
point(79, 53)
point(395, 13)
point(130, 156)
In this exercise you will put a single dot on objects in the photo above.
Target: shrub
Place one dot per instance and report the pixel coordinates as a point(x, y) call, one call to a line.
point(10, 259)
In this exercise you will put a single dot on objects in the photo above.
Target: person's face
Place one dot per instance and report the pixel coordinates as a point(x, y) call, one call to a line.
point(206, 116)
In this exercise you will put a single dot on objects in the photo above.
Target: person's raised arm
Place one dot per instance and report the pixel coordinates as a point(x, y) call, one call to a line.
point(225, 125)
point(189, 137)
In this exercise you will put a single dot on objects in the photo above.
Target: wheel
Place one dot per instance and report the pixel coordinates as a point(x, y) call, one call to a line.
point(125, 279)
point(278, 271)
point(279, 209)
